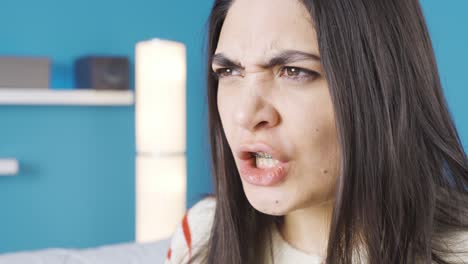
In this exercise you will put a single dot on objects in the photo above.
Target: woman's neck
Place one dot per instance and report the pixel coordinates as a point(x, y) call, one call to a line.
point(307, 229)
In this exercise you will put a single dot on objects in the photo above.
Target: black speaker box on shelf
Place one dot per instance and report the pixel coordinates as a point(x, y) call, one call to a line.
point(102, 73)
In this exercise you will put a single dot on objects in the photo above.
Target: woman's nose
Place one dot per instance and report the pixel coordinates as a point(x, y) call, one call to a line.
point(255, 112)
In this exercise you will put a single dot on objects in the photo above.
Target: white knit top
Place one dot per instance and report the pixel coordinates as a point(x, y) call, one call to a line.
point(194, 231)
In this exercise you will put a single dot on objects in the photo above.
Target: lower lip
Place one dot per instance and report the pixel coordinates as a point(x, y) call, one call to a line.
point(262, 177)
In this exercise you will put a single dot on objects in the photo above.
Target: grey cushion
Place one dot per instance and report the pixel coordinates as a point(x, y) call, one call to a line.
point(129, 253)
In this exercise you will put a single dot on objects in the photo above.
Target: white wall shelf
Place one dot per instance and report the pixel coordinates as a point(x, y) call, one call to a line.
point(76, 97)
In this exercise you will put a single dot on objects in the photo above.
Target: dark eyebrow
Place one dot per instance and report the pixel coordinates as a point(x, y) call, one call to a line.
point(290, 56)
point(282, 58)
point(223, 61)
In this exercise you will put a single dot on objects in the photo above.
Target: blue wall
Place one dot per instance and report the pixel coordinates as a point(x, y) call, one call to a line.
point(447, 22)
point(76, 185)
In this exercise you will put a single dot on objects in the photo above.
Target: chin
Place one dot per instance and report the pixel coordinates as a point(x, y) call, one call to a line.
point(272, 200)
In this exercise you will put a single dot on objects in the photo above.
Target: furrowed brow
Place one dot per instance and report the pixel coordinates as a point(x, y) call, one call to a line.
point(221, 60)
point(283, 58)
point(290, 56)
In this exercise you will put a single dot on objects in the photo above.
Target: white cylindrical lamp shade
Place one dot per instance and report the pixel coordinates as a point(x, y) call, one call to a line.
point(160, 80)
point(161, 187)
point(160, 111)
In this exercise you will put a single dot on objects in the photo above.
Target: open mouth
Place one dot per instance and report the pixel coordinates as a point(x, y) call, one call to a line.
point(262, 165)
point(260, 168)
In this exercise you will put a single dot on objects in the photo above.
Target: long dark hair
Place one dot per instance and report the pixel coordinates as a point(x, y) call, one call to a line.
point(402, 187)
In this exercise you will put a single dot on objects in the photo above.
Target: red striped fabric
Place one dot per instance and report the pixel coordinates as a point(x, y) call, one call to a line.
point(183, 237)
point(169, 253)
point(187, 234)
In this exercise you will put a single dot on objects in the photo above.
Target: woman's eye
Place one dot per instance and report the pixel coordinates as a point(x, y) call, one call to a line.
point(225, 72)
point(296, 73)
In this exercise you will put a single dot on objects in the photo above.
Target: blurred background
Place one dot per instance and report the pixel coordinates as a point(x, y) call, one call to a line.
point(76, 182)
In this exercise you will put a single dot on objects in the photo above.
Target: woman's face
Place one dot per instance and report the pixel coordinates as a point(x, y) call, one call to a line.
point(273, 97)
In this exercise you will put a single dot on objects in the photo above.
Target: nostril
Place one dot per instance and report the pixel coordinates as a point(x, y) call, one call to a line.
point(261, 124)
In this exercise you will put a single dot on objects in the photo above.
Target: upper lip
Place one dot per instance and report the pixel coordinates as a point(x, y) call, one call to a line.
point(244, 152)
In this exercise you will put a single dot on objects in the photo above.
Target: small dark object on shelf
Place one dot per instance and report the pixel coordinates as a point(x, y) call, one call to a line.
point(102, 73)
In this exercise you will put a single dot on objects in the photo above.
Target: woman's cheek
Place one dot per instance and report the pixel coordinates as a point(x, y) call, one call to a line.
point(226, 105)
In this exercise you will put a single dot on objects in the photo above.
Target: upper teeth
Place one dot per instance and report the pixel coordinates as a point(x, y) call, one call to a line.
point(263, 155)
point(264, 160)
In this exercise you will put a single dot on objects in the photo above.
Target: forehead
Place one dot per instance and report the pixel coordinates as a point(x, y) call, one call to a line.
point(255, 29)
